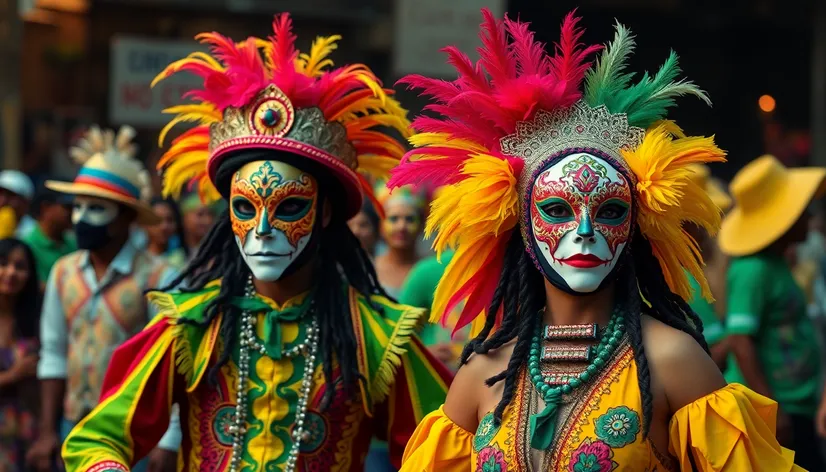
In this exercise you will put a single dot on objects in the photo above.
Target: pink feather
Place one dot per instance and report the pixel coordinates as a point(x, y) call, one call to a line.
point(470, 74)
point(529, 55)
point(435, 172)
point(458, 129)
point(441, 91)
point(478, 290)
point(570, 61)
point(494, 54)
point(244, 77)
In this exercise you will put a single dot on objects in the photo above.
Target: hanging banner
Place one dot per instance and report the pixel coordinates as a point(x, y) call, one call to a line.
point(134, 63)
point(423, 27)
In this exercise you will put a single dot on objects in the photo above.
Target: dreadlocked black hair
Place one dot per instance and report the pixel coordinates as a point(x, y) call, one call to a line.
point(522, 296)
point(340, 260)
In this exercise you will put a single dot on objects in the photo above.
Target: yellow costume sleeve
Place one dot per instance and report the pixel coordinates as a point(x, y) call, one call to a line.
point(732, 429)
point(438, 445)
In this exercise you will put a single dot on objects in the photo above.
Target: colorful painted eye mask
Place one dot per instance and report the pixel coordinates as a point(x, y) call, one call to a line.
point(273, 209)
point(580, 220)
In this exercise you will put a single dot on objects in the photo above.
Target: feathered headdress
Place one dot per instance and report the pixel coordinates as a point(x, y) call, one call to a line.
point(264, 93)
point(505, 116)
point(110, 170)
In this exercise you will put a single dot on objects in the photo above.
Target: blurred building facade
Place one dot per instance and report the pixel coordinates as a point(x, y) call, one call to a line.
point(84, 61)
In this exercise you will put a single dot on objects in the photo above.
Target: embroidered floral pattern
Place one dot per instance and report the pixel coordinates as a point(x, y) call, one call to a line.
point(221, 424)
point(315, 431)
point(485, 432)
point(618, 427)
point(592, 457)
point(491, 459)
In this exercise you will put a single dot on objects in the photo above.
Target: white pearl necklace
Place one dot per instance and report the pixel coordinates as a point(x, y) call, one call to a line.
point(248, 341)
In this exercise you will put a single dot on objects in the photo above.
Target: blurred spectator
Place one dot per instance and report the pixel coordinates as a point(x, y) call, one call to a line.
point(365, 226)
point(50, 239)
point(16, 192)
point(770, 334)
point(162, 235)
point(94, 298)
point(401, 230)
point(19, 314)
point(197, 219)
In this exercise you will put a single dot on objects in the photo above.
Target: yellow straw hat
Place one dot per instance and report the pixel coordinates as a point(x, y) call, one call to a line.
point(769, 199)
point(701, 175)
point(110, 171)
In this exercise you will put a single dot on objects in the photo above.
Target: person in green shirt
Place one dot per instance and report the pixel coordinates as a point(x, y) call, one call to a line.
point(772, 338)
point(418, 291)
point(713, 330)
point(50, 239)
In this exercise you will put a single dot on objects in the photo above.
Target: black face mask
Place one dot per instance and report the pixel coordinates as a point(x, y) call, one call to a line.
point(91, 237)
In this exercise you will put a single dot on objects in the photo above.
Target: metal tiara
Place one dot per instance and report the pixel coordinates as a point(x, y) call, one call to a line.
point(577, 127)
point(306, 125)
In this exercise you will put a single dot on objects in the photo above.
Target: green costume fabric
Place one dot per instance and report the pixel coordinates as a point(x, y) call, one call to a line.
point(766, 303)
point(713, 329)
point(46, 251)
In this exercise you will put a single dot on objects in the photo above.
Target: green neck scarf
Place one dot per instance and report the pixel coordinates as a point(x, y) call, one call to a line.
point(272, 340)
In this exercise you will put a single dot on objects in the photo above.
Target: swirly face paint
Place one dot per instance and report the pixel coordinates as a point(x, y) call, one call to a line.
point(580, 221)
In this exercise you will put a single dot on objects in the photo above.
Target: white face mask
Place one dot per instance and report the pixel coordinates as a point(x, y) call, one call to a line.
point(93, 211)
point(580, 221)
point(273, 212)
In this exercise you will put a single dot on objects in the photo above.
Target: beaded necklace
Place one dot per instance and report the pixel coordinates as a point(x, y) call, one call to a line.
point(543, 424)
point(249, 342)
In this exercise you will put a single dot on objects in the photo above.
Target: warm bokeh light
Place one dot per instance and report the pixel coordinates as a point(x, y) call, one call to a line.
point(767, 103)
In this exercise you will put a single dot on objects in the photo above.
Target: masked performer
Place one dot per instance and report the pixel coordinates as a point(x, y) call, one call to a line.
point(281, 351)
point(566, 207)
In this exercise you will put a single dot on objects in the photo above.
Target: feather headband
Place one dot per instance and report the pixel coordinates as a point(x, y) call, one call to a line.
point(265, 94)
point(507, 114)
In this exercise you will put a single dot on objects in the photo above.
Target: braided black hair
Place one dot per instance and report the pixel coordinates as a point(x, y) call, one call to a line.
point(519, 318)
point(340, 261)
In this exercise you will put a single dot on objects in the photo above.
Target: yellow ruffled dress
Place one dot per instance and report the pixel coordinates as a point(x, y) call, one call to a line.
point(600, 430)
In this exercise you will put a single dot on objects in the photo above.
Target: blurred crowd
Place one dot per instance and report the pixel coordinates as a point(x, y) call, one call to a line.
point(766, 326)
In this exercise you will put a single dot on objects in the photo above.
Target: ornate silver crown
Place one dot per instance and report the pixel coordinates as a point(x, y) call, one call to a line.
point(578, 126)
point(270, 118)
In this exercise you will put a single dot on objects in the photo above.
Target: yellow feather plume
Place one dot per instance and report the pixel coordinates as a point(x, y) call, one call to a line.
point(490, 204)
point(313, 64)
point(204, 113)
point(377, 167)
point(668, 198)
point(445, 140)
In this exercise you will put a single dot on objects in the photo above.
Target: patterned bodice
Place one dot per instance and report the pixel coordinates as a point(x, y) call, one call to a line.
point(272, 394)
point(599, 428)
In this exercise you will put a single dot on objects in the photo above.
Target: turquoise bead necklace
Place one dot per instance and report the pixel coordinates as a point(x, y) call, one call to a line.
point(543, 424)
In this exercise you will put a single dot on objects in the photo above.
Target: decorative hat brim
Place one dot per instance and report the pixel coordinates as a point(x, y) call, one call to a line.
point(145, 215)
point(348, 178)
point(748, 232)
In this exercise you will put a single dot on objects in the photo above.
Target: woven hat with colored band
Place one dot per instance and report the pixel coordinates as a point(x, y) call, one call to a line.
point(110, 171)
point(263, 94)
point(516, 110)
point(769, 198)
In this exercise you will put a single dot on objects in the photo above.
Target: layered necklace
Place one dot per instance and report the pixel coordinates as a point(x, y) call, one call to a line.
point(552, 386)
point(248, 342)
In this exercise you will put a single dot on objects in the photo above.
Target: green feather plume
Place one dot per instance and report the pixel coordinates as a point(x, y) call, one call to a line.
point(645, 102)
point(608, 76)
